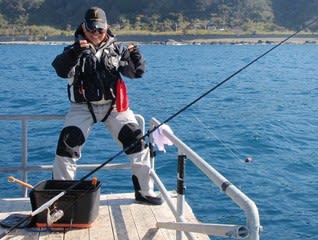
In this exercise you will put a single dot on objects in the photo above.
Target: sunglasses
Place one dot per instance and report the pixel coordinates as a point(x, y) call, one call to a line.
point(96, 30)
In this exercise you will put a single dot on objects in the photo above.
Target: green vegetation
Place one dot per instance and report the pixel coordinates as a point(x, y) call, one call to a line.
point(41, 18)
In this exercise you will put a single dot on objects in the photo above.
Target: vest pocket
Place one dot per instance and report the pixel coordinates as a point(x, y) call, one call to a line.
point(85, 91)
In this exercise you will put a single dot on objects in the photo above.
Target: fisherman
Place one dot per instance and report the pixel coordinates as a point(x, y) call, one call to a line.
point(93, 65)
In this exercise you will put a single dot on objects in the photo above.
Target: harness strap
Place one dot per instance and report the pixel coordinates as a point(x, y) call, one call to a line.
point(108, 112)
point(90, 108)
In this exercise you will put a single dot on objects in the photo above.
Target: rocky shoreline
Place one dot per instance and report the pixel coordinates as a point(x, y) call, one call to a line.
point(178, 39)
point(243, 41)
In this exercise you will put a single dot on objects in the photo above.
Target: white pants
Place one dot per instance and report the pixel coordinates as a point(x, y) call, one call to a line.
point(79, 116)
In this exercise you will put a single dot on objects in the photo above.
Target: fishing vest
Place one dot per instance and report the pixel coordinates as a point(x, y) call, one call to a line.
point(95, 75)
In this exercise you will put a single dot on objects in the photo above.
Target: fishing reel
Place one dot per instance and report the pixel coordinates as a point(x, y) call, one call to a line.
point(53, 215)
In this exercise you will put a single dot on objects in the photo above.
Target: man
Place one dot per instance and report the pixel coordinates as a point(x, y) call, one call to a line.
point(93, 65)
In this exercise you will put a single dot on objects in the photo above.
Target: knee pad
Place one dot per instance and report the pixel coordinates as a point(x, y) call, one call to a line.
point(70, 140)
point(128, 135)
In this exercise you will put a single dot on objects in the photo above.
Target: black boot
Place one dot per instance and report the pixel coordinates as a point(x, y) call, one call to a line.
point(144, 199)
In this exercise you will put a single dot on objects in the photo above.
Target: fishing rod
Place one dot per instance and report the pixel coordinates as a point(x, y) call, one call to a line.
point(133, 145)
point(236, 73)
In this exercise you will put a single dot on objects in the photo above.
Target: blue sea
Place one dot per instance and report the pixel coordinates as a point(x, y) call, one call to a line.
point(268, 112)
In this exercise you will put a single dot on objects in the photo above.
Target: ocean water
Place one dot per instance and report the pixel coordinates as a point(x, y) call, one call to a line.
point(269, 111)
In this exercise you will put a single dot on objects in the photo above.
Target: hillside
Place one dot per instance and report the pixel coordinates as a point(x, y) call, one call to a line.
point(183, 16)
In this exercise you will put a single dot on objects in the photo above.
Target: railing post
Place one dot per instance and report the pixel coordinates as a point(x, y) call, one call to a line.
point(24, 156)
point(180, 190)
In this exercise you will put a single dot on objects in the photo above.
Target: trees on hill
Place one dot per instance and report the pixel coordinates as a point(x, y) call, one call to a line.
point(164, 15)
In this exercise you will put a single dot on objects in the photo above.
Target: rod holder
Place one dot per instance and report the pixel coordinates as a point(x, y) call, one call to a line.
point(180, 174)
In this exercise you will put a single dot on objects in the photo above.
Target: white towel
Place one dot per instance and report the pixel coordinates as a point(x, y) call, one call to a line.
point(159, 139)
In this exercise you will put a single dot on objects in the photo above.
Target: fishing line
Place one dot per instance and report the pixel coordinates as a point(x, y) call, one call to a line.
point(227, 146)
point(133, 145)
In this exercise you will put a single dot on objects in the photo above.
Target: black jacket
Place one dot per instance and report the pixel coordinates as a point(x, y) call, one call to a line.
point(90, 72)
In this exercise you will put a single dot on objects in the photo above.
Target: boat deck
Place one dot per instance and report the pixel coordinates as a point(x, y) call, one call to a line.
point(120, 218)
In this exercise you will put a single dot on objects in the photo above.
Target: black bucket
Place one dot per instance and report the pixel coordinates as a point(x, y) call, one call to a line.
point(80, 204)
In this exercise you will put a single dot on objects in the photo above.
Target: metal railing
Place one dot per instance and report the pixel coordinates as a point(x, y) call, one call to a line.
point(252, 228)
point(249, 231)
point(25, 167)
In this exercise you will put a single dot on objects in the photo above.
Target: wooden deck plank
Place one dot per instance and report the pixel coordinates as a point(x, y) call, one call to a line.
point(119, 218)
point(163, 214)
point(146, 223)
point(128, 224)
point(52, 235)
point(122, 219)
point(102, 227)
point(78, 234)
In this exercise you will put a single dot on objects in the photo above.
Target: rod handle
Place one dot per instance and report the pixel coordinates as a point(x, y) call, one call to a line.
point(15, 180)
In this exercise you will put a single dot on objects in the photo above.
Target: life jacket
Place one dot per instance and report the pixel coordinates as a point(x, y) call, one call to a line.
point(96, 75)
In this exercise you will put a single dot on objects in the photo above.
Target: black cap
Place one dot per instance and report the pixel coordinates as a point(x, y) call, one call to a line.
point(95, 18)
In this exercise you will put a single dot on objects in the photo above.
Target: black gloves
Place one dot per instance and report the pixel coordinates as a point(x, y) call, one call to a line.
point(135, 54)
point(76, 49)
point(138, 60)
